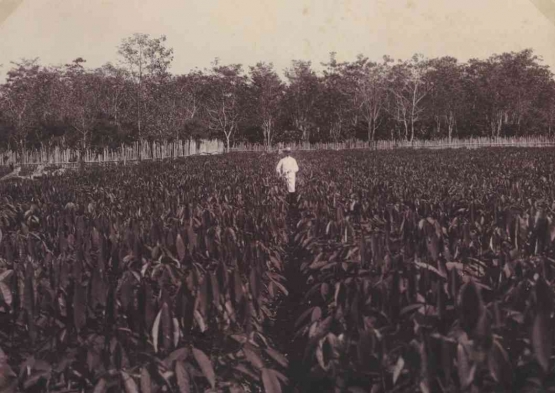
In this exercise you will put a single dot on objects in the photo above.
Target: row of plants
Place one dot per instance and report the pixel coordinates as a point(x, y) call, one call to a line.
point(146, 278)
point(427, 272)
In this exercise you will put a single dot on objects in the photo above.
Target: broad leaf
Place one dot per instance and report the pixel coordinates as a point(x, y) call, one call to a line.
point(278, 357)
point(180, 245)
point(270, 381)
point(499, 365)
point(146, 381)
point(541, 340)
point(79, 305)
point(156, 331)
point(205, 365)
point(129, 383)
point(6, 293)
point(182, 375)
point(466, 371)
point(253, 358)
point(470, 305)
point(398, 368)
point(101, 386)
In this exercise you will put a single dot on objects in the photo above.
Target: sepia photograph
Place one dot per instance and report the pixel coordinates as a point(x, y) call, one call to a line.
point(277, 196)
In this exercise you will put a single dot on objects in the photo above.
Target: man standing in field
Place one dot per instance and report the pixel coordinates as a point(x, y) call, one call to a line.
point(287, 169)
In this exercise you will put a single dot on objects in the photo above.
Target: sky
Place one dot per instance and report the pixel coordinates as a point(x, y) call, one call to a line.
point(276, 31)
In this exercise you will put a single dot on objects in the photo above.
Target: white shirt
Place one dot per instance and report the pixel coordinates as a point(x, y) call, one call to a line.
point(288, 168)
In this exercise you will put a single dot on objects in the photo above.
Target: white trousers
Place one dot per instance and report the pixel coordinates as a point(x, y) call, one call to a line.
point(290, 179)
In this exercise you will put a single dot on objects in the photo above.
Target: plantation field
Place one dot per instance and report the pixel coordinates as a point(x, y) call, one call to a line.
point(399, 271)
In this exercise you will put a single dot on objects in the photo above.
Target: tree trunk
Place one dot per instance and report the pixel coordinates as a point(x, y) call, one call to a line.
point(227, 139)
point(139, 101)
point(270, 131)
point(493, 126)
point(450, 125)
point(21, 149)
point(500, 124)
point(267, 132)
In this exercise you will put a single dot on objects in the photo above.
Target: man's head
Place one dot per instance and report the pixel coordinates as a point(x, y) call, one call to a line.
point(287, 151)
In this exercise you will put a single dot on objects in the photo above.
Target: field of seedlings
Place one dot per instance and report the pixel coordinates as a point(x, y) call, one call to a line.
point(397, 271)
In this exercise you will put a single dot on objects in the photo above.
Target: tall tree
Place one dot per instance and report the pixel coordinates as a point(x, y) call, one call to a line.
point(445, 78)
point(367, 86)
point(177, 104)
point(82, 100)
point(408, 89)
point(525, 78)
point(266, 96)
point(116, 93)
point(504, 90)
point(19, 99)
point(225, 94)
point(547, 108)
point(302, 96)
point(148, 61)
point(333, 105)
point(190, 89)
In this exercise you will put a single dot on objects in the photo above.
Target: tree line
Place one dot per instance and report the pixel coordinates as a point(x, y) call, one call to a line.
point(138, 99)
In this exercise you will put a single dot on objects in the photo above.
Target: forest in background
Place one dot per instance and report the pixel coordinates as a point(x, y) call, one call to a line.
point(138, 98)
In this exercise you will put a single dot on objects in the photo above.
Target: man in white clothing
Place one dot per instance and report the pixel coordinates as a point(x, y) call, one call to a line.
point(287, 168)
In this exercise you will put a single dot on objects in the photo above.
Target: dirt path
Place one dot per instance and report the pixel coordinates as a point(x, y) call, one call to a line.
point(283, 330)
